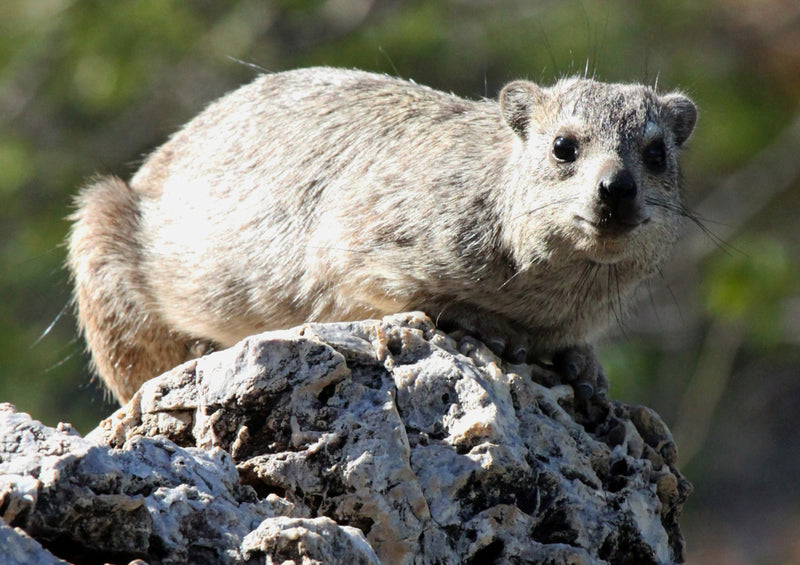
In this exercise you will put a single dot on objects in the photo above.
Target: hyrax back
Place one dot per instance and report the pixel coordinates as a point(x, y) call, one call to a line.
point(325, 194)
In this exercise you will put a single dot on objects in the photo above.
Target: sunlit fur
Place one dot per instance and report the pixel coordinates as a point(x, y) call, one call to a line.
point(324, 194)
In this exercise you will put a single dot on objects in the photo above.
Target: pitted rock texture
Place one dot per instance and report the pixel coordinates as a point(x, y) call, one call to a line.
point(379, 441)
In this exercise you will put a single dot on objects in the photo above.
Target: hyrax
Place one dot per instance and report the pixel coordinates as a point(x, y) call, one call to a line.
point(324, 194)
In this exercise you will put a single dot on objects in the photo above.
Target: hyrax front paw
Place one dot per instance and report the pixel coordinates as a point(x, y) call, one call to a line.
point(502, 336)
point(576, 365)
point(579, 366)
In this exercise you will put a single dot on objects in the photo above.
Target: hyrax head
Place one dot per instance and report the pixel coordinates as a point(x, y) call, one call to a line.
point(600, 177)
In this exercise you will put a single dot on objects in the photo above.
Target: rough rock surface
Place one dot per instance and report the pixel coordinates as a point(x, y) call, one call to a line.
point(371, 442)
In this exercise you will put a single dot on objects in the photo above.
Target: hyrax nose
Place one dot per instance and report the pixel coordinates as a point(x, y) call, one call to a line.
point(618, 205)
point(616, 187)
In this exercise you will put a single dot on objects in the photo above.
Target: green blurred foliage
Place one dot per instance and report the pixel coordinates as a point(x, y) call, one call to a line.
point(92, 86)
point(749, 285)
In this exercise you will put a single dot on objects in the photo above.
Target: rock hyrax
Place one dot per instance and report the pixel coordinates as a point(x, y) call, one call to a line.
point(324, 194)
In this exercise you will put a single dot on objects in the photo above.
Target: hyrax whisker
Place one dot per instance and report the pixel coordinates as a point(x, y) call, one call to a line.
point(545, 206)
point(616, 309)
point(620, 307)
point(584, 284)
point(590, 282)
point(60, 362)
point(684, 212)
point(344, 249)
point(652, 300)
point(52, 324)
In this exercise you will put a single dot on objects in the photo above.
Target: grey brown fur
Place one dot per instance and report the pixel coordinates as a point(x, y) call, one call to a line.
point(325, 194)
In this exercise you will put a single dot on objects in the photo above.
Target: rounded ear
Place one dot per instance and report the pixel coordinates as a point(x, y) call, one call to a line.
point(517, 101)
point(682, 114)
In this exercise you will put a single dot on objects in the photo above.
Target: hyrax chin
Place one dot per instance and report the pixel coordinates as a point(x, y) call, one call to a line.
point(324, 194)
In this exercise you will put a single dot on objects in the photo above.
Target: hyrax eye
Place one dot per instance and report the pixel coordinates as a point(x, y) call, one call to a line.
point(655, 156)
point(565, 149)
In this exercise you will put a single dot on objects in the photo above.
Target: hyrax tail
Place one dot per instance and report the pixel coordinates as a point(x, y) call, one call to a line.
point(128, 341)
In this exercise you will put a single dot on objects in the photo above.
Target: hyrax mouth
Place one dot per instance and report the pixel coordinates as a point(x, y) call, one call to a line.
point(608, 227)
point(602, 240)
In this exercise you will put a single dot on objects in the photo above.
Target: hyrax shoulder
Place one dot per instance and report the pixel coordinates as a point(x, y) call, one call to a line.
point(325, 194)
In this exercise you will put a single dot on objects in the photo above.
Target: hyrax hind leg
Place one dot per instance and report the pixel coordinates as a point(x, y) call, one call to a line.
point(129, 343)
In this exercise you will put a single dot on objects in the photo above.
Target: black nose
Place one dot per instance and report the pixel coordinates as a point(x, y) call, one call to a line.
point(618, 208)
point(616, 188)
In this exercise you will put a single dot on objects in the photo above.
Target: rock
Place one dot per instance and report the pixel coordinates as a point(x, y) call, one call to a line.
point(18, 548)
point(367, 442)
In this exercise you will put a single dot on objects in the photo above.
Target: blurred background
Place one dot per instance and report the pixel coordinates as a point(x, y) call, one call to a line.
point(93, 86)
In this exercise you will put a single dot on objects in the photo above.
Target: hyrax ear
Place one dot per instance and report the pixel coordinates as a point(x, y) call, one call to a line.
point(682, 115)
point(517, 102)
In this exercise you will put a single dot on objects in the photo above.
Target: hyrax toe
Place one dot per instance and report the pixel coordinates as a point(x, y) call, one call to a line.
point(579, 366)
point(503, 337)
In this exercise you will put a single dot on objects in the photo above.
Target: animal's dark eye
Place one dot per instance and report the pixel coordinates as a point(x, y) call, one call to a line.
point(655, 156)
point(565, 149)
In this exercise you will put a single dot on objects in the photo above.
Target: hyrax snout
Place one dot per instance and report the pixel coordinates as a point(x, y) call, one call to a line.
point(325, 194)
point(618, 204)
